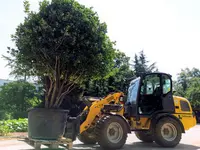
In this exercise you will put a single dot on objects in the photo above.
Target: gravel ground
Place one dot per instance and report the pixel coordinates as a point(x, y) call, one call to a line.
point(190, 141)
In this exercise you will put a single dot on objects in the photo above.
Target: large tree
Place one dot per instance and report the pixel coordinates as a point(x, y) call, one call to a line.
point(193, 91)
point(184, 78)
point(118, 79)
point(188, 85)
point(18, 96)
point(64, 43)
point(141, 64)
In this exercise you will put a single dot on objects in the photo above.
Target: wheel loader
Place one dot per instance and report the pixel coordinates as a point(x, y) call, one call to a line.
point(149, 110)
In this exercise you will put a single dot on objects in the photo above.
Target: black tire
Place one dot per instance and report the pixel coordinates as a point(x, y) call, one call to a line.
point(104, 137)
point(87, 138)
point(165, 125)
point(144, 136)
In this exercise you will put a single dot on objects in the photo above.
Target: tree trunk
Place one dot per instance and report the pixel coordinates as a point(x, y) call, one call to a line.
point(59, 85)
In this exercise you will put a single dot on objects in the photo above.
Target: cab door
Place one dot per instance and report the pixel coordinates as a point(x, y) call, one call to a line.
point(167, 94)
point(131, 105)
point(150, 94)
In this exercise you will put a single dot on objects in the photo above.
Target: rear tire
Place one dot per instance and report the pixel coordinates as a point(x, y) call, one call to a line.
point(167, 132)
point(144, 136)
point(111, 132)
point(87, 138)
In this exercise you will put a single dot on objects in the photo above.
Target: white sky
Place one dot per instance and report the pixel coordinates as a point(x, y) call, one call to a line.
point(167, 30)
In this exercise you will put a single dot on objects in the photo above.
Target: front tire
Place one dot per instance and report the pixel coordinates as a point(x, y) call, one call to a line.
point(111, 132)
point(87, 138)
point(144, 136)
point(167, 132)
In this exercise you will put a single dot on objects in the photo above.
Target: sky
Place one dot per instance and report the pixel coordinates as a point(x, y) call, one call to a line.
point(168, 31)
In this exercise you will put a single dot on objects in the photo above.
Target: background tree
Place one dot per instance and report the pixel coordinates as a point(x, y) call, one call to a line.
point(188, 85)
point(193, 92)
point(65, 44)
point(121, 75)
point(141, 64)
point(16, 97)
point(118, 79)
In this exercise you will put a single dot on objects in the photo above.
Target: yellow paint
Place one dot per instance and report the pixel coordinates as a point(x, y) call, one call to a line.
point(95, 109)
point(143, 124)
point(177, 100)
point(94, 112)
point(121, 112)
point(187, 118)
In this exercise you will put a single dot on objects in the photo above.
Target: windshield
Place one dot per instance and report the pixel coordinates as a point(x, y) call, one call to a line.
point(133, 91)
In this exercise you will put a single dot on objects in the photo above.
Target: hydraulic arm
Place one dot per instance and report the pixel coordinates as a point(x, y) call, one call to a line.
point(94, 109)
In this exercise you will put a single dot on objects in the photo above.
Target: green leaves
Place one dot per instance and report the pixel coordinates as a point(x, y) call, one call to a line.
point(115, 81)
point(18, 96)
point(140, 64)
point(4, 130)
point(15, 125)
point(65, 42)
point(193, 91)
point(188, 85)
point(26, 7)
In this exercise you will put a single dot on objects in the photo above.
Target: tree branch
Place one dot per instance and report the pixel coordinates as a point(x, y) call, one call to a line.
point(61, 87)
point(49, 84)
point(57, 80)
point(63, 94)
point(50, 88)
point(47, 58)
point(57, 69)
point(61, 99)
point(59, 43)
point(69, 89)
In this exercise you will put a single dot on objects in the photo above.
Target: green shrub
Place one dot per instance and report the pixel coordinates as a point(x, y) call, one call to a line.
point(5, 115)
point(4, 130)
point(18, 115)
point(16, 125)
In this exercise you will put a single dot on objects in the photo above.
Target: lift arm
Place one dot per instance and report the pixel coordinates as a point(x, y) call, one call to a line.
point(95, 108)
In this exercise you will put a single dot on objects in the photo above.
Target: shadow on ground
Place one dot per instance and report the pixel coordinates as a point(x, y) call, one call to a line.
point(133, 146)
point(138, 146)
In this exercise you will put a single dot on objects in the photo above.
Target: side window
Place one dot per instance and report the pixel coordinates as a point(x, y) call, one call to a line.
point(133, 90)
point(166, 84)
point(149, 89)
point(150, 84)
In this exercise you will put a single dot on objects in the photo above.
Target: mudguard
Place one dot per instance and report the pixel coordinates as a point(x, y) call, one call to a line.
point(123, 118)
point(157, 117)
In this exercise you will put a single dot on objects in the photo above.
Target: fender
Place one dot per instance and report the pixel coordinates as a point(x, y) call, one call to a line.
point(123, 118)
point(157, 117)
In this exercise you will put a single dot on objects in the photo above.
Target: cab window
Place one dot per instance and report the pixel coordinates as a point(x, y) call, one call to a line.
point(150, 83)
point(166, 84)
point(133, 91)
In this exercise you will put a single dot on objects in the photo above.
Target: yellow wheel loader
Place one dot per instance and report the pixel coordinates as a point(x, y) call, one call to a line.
point(150, 110)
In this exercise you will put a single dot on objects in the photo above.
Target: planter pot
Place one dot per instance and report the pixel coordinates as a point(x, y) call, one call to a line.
point(46, 124)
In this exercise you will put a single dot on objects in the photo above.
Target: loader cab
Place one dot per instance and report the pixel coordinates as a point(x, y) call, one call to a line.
point(149, 94)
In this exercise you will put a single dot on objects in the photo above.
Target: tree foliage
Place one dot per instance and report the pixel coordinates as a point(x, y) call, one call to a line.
point(18, 96)
point(141, 64)
point(66, 43)
point(118, 79)
point(188, 85)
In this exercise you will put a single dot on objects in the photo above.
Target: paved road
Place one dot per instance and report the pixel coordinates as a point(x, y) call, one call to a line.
point(190, 141)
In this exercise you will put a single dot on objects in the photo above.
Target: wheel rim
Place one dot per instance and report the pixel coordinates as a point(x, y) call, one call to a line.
point(114, 132)
point(169, 132)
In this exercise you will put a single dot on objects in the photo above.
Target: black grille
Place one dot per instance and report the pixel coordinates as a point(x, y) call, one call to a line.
point(184, 106)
